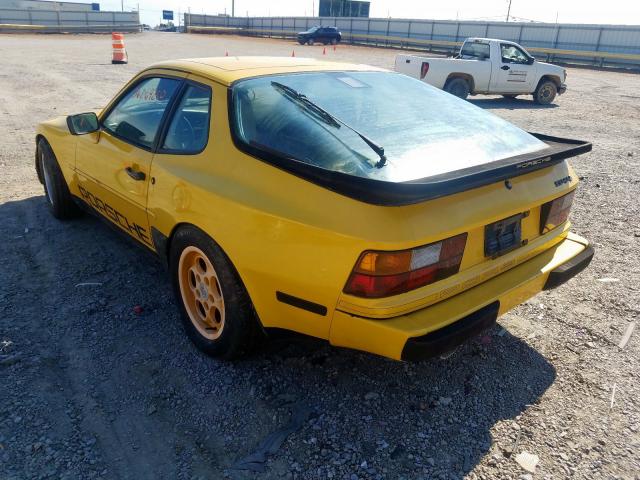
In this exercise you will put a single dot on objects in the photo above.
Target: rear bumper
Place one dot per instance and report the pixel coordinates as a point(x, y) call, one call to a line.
point(445, 325)
point(569, 269)
point(562, 89)
point(449, 337)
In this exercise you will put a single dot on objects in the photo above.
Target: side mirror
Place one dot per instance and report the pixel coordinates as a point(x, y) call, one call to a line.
point(83, 123)
point(531, 60)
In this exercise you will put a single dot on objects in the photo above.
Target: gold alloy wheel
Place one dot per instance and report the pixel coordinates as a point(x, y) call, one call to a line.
point(201, 292)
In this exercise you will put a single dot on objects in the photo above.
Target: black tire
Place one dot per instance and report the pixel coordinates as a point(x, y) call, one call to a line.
point(310, 42)
point(510, 96)
point(458, 87)
point(334, 41)
point(241, 329)
point(56, 190)
point(545, 93)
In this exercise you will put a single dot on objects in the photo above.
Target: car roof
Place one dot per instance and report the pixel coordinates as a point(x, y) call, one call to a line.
point(227, 70)
point(481, 39)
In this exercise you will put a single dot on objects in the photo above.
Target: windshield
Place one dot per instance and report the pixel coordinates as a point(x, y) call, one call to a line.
point(422, 130)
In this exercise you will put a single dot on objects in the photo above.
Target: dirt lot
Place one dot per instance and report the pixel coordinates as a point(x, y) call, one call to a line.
point(90, 389)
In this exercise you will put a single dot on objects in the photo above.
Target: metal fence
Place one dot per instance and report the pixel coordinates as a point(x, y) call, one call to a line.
point(602, 45)
point(36, 20)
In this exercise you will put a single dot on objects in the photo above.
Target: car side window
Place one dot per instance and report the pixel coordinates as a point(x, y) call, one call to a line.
point(512, 54)
point(137, 116)
point(188, 131)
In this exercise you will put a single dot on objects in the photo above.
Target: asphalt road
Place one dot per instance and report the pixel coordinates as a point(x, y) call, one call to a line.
point(93, 387)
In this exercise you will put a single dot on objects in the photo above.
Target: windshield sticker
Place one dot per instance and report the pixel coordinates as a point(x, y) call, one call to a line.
point(352, 82)
point(151, 94)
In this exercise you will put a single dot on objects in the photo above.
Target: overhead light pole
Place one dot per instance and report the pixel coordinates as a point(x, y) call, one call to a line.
point(508, 11)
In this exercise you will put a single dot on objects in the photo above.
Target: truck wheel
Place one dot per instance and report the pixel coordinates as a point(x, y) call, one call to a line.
point(310, 42)
point(545, 93)
point(56, 191)
point(215, 308)
point(458, 87)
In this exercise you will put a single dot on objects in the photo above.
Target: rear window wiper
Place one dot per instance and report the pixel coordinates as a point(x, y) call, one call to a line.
point(323, 115)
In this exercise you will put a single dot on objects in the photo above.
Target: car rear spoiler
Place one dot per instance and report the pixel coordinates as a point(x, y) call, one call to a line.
point(379, 192)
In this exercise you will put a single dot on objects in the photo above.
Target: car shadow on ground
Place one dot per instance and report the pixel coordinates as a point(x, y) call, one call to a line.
point(509, 103)
point(368, 416)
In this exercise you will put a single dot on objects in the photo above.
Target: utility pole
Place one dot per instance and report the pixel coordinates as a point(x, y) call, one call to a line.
point(508, 11)
point(122, 5)
point(233, 8)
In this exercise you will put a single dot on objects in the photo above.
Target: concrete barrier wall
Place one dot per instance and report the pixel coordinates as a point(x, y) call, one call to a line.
point(599, 45)
point(47, 21)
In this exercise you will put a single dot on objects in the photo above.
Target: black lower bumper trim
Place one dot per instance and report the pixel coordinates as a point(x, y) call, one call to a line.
point(449, 337)
point(569, 269)
point(301, 303)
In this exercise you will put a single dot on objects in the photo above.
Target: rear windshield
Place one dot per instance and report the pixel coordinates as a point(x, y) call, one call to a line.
point(475, 50)
point(423, 131)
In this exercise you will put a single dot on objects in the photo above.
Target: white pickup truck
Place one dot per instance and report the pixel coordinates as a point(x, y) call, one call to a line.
point(489, 66)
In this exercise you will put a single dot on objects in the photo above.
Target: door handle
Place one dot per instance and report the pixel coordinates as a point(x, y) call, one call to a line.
point(135, 174)
point(505, 67)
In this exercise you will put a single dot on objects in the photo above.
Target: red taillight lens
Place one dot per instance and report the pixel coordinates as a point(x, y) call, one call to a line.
point(555, 212)
point(424, 69)
point(382, 274)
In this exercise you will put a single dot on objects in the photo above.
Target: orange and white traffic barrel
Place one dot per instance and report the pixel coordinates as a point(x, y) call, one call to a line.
point(119, 52)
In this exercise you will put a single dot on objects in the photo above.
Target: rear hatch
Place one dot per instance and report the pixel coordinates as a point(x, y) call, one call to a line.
point(438, 167)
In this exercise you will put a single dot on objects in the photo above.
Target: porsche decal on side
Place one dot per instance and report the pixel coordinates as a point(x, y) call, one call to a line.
point(114, 215)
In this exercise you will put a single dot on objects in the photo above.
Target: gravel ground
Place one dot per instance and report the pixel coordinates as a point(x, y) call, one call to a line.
point(93, 387)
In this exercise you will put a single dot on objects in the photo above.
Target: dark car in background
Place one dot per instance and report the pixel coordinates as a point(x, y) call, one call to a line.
point(318, 34)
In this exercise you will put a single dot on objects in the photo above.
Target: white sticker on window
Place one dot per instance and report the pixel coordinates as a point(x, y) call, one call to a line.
point(352, 82)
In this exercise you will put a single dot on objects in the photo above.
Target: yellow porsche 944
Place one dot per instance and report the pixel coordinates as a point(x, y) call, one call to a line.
point(341, 201)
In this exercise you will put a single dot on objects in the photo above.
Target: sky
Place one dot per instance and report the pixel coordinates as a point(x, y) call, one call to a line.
point(565, 11)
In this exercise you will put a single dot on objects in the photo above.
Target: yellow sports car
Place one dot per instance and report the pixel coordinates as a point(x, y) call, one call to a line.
point(341, 201)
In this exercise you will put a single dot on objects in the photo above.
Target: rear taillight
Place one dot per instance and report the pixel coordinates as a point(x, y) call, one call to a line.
point(555, 212)
point(382, 274)
point(424, 69)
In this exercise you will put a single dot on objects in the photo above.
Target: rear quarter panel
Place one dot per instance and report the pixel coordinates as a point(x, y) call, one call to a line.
point(281, 233)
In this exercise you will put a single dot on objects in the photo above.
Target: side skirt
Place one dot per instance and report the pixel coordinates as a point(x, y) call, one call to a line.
point(90, 210)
